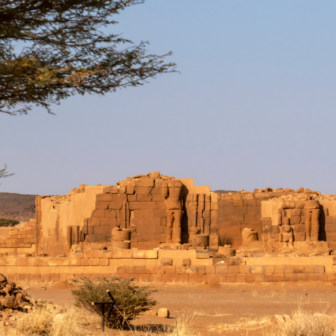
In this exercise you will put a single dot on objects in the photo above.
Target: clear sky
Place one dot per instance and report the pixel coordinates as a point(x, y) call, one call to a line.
point(253, 107)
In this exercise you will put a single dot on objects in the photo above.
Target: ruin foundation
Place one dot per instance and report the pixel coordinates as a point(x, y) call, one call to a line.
point(158, 228)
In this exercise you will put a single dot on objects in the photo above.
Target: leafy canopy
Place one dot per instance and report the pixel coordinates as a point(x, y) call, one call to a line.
point(52, 49)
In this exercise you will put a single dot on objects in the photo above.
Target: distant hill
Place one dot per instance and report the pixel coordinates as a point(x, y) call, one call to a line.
point(17, 206)
point(220, 191)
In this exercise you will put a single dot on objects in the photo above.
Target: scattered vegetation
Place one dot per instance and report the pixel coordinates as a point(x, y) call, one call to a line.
point(131, 300)
point(4, 222)
point(46, 321)
point(304, 323)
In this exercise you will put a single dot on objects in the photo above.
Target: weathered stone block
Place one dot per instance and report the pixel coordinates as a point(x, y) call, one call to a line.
point(244, 269)
point(42, 261)
point(144, 198)
point(166, 262)
point(302, 277)
point(268, 269)
point(180, 269)
point(196, 278)
point(290, 277)
point(277, 277)
point(222, 269)
point(75, 261)
point(151, 254)
point(233, 269)
point(309, 269)
point(54, 277)
point(131, 198)
point(259, 277)
point(139, 270)
point(298, 269)
point(103, 262)
point(231, 277)
point(84, 261)
point(156, 277)
point(202, 254)
point(53, 261)
point(210, 269)
point(313, 276)
point(186, 262)
point(323, 277)
point(319, 269)
point(295, 220)
point(139, 254)
point(93, 261)
point(256, 269)
point(278, 269)
point(104, 198)
point(21, 262)
point(63, 261)
point(169, 269)
point(89, 254)
point(102, 205)
point(288, 269)
point(241, 278)
point(196, 270)
point(98, 214)
point(107, 254)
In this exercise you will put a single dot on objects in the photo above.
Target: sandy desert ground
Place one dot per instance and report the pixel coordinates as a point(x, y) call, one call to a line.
point(234, 309)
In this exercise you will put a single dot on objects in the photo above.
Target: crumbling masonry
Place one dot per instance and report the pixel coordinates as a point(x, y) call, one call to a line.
point(158, 228)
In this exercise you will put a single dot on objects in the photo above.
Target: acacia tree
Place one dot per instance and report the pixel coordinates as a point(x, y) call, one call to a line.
point(4, 173)
point(52, 49)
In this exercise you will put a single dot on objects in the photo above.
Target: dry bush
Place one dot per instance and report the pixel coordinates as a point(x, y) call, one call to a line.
point(44, 321)
point(184, 326)
point(307, 324)
point(37, 322)
point(131, 300)
point(70, 323)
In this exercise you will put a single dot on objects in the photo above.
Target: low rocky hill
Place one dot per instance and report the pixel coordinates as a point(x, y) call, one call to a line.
point(220, 191)
point(17, 206)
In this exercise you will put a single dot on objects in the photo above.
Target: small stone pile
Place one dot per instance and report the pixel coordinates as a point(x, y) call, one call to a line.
point(13, 297)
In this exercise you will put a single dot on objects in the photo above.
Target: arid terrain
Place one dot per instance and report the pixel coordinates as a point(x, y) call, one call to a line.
point(234, 309)
point(17, 206)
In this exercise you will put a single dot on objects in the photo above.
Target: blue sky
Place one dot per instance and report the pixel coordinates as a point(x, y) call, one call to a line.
point(253, 106)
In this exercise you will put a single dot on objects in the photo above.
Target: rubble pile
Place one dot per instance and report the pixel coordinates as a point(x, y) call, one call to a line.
point(13, 297)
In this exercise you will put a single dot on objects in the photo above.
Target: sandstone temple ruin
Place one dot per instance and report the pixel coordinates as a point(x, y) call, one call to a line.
point(158, 228)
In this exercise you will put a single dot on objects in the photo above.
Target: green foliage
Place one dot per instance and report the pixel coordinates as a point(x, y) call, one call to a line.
point(131, 300)
point(8, 222)
point(64, 52)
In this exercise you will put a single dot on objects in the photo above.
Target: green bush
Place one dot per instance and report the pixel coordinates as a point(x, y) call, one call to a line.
point(131, 300)
point(8, 222)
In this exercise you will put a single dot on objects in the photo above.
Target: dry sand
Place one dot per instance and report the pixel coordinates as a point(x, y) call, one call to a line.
point(218, 307)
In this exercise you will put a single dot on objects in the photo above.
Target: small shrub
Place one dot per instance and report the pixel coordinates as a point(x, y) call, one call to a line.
point(45, 321)
point(307, 324)
point(4, 222)
point(131, 300)
point(37, 322)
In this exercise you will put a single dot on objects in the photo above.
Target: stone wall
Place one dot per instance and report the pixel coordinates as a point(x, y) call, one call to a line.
point(155, 208)
point(56, 214)
point(243, 209)
point(18, 240)
point(293, 208)
point(156, 266)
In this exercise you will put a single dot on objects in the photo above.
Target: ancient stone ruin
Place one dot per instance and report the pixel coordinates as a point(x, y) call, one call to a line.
point(158, 228)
